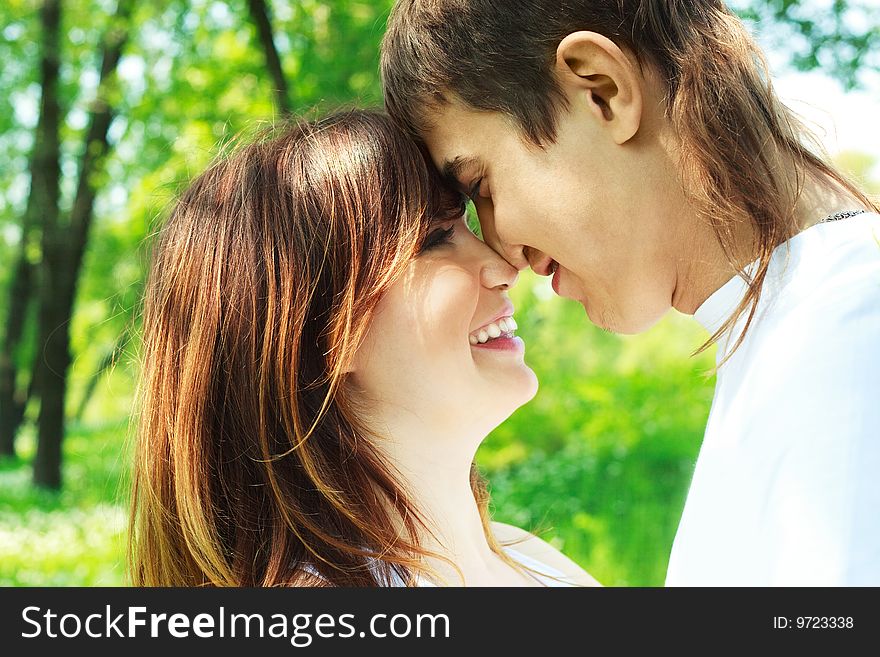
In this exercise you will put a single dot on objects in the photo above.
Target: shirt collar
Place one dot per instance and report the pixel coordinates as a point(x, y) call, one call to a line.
point(720, 305)
point(809, 243)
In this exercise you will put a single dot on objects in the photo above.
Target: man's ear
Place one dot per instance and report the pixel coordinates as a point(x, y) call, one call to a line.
point(593, 69)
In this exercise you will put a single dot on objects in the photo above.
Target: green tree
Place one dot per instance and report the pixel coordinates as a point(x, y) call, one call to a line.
point(193, 76)
point(63, 245)
point(839, 37)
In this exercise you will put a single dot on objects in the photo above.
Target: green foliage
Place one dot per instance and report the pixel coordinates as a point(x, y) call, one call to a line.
point(837, 36)
point(601, 458)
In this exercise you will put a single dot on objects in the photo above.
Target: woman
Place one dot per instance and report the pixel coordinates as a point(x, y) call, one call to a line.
point(325, 346)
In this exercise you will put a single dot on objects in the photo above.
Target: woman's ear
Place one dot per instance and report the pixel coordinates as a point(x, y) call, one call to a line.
point(356, 359)
point(592, 69)
point(353, 363)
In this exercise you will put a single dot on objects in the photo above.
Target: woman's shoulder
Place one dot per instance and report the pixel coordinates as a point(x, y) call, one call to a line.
point(541, 551)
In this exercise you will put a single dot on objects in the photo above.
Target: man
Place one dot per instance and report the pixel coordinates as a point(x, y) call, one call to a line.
point(635, 151)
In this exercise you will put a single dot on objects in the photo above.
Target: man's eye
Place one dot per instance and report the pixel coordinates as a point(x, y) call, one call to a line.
point(474, 191)
point(437, 238)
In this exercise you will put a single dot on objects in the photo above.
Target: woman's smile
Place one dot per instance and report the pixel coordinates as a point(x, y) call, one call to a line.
point(498, 336)
point(503, 327)
point(506, 342)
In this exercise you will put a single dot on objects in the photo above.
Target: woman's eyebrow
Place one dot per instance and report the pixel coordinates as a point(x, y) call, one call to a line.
point(452, 170)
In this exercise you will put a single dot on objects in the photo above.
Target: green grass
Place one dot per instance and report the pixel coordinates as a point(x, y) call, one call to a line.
point(72, 538)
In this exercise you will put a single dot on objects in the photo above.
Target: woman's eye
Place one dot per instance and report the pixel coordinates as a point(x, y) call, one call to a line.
point(437, 238)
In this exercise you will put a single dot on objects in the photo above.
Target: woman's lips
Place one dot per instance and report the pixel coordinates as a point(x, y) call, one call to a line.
point(514, 344)
point(555, 282)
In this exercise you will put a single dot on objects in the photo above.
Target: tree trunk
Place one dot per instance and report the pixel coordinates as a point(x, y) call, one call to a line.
point(42, 207)
point(63, 249)
point(53, 339)
point(260, 15)
point(12, 402)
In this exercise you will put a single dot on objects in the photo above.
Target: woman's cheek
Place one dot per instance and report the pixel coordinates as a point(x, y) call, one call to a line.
point(449, 301)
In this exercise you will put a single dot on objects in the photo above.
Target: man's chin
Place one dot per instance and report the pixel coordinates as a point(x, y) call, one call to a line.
point(599, 320)
point(621, 326)
point(611, 322)
point(605, 320)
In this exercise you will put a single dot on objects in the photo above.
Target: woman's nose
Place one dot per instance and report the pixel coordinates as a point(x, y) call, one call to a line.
point(496, 271)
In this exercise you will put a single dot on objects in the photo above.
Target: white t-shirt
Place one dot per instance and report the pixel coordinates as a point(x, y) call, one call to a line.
point(786, 489)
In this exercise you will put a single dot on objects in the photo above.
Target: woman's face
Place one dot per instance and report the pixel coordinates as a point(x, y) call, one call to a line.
point(440, 348)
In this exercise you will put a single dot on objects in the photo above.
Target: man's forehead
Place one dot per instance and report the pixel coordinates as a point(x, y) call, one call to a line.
point(461, 139)
point(452, 136)
point(453, 157)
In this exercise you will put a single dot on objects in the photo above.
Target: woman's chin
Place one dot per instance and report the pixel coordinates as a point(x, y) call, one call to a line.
point(510, 394)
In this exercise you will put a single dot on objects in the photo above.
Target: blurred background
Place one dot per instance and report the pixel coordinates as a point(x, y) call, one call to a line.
point(107, 108)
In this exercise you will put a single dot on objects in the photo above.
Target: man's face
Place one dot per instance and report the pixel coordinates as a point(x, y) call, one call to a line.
point(601, 215)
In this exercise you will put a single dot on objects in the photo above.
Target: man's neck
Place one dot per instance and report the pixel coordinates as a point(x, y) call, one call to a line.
point(705, 267)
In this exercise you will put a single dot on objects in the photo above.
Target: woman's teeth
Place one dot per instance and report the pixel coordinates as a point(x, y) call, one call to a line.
point(503, 327)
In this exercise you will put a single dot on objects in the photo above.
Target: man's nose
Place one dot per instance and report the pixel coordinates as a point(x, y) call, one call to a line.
point(515, 255)
point(511, 252)
point(537, 260)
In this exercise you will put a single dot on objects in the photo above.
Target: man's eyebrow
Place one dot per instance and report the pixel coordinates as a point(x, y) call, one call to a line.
point(452, 170)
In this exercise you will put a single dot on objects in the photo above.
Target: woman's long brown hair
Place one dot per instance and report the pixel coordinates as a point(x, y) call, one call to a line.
point(252, 464)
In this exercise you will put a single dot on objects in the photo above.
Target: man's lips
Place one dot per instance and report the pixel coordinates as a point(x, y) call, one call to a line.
point(555, 283)
point(549, 267)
